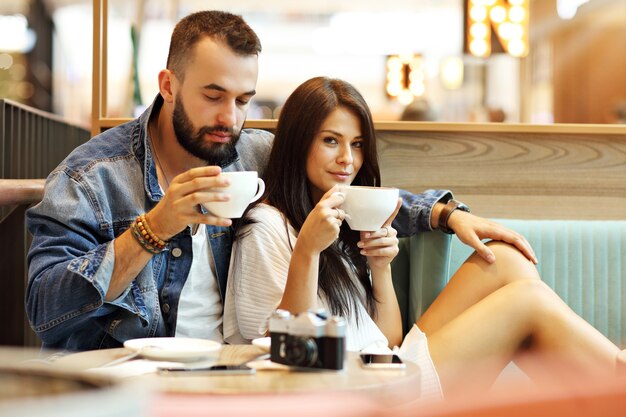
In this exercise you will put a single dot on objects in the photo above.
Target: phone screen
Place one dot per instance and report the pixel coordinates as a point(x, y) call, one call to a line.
point(382, 361)
point(211, 370)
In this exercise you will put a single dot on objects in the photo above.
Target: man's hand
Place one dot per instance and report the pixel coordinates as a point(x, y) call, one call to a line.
point(471, 229)
point(180, 204)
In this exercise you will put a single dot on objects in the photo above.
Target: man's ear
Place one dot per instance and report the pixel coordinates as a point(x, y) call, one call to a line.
point(166, 79)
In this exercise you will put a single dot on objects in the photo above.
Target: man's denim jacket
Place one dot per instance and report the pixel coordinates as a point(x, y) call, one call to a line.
point(91, 198)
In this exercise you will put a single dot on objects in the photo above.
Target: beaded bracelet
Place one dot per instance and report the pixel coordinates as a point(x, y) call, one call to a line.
point(145, 237)
point(143, 223)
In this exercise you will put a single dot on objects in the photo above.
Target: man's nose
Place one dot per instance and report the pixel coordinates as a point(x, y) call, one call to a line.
point(227, 115)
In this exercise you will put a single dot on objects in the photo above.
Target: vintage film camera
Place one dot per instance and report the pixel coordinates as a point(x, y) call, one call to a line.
point(310, 339)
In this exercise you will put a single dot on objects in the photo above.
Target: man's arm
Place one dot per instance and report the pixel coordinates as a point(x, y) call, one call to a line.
point(177, 209)
point(70, 261)
point(420, 213)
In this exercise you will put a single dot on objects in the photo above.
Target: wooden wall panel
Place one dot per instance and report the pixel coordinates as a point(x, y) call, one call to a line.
point(589, 58)
point(513, 175)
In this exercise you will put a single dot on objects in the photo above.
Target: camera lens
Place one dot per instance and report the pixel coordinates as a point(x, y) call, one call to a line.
point(302, 351)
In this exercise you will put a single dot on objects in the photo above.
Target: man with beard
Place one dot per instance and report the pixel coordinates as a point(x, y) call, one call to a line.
point(122, 247)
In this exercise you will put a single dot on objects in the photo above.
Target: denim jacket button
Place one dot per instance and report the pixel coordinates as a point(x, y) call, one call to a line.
point(166, 308)
point(176, 252)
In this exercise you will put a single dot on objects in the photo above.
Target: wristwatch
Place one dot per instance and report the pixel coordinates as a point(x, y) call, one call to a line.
point(447, 210)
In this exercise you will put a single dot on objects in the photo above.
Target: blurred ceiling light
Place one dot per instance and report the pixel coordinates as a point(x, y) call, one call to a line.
point(15, 36)
point(516, 47)
point(517, 14)
point(567, 9)
point(478, 13)
point(479, 47)
point(405, 77)
point(452, 73)
point(505, 30)
point(479, 30)
point(405, 97)
point(485, 2)
point(6, 61)
point(497, 14)
point(509, 20)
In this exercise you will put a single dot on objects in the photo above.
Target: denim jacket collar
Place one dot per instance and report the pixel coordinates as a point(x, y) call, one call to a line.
point(143, 150)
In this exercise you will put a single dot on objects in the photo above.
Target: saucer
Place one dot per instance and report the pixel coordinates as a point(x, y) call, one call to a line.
point(263, 342)
point(178, 349)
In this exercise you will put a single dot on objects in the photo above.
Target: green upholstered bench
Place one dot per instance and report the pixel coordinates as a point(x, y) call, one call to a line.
point(583, 261)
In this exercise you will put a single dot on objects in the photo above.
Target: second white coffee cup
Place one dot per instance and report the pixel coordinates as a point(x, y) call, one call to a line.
point(367, 208)
point(245, 188)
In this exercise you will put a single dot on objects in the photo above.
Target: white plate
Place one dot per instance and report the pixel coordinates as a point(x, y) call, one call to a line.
point(267, 365)
point(181, 349)
point(263, 342)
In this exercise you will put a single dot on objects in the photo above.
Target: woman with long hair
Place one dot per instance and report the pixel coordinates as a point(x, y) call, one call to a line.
point(294, 251)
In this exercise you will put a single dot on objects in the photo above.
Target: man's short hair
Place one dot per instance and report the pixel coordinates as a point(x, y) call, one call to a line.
point(228, 28)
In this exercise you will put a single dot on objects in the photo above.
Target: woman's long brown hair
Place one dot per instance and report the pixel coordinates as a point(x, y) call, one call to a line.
point(288, 188)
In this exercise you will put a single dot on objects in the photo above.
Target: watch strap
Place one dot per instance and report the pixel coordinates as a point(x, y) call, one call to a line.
point(445, 213)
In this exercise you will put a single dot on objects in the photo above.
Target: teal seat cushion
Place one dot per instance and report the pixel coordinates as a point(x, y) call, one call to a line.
point(420, 271)
point(583, 261)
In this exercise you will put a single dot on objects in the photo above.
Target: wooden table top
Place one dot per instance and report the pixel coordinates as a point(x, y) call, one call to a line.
point(385, 386)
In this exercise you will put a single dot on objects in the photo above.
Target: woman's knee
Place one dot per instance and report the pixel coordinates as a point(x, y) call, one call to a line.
point(511, 264)
point(532, 295)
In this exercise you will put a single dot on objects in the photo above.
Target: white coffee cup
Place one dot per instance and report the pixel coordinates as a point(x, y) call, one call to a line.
point(367, 208)
point(245, 188)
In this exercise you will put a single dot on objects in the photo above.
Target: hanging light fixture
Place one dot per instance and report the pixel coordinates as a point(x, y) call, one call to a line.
point(509, 20)
point(15, 36)
point(405, 77)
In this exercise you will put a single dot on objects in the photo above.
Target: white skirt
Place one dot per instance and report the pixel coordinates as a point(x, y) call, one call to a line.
point(415, 349)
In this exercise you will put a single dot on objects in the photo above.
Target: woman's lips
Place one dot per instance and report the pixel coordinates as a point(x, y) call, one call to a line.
point(340, 176)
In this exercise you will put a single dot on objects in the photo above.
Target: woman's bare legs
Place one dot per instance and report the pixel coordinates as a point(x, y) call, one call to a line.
point(522, 320)
point(474, 280)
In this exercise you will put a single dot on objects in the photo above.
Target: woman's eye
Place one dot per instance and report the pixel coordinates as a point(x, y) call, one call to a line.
point(358, 144)
point(242, 102)
point(330, 140)
point(212, 98)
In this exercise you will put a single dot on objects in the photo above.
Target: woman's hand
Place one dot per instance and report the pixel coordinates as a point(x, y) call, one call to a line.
point(471, 230)
point(319, 231)
point(322, 225)
point(381, 246)
point(179, 207)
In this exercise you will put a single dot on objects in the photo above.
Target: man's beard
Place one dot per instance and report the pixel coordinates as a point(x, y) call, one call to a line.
point(194, 143)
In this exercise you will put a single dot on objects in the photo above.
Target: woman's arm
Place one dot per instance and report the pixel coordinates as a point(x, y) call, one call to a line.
point(319, 231)
point(388, 317)
point(380, 248)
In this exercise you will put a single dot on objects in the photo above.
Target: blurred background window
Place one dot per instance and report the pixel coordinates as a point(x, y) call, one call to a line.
point(534, 61)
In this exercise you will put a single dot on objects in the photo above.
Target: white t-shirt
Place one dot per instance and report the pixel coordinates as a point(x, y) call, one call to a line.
point(256, 282)
point(200, 305)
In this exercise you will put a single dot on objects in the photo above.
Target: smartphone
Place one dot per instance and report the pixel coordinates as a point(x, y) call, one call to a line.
point(209, 371)
point(381, 361)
